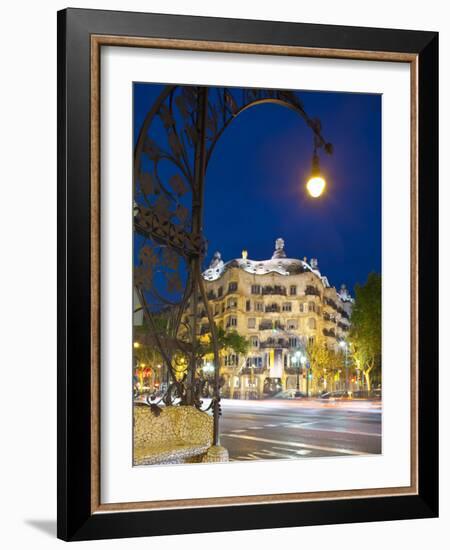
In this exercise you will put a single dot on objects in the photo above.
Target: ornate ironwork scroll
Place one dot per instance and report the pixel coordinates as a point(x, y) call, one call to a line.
point(172, 152)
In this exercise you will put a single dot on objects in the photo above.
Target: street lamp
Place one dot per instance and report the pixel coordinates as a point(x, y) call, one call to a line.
point(297, 361)
point(304, 363)
point(316, 183)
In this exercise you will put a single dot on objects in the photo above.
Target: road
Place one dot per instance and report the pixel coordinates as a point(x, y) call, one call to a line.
point(276, 429)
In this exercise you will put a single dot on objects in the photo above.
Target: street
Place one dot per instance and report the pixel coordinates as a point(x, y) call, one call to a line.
point(277, 429)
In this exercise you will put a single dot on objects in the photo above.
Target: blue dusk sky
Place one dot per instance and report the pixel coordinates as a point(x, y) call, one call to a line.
point(255, 183)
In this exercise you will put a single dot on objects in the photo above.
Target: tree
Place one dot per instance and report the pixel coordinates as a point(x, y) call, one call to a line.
point(319, 360)
point(230, 340)
point(227, 341)
point(365, 332)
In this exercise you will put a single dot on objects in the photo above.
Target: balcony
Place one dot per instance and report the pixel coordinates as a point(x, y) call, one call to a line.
point(271, 326)
point(273, 308)
point(275, 343)
point(274, 290)
point(312, 291)
point(331, 303)
point(329, 332)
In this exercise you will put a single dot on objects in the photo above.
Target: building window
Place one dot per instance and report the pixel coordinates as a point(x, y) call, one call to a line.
point(216, 309)
point(231, 322)
point(287, 306)
point(254, 362)
point(232, 287)
point(251, 322)
point(292, 324)
point(248, 306)
point(254, 341)
point(259, 306)
point(312, 323)
point(220, 291)
point(256, 289)
point(311, 307)
point(293, 290)
point(231, 303)
point(302, 308)
point(311, 340)
point(231, 360)
point(293, 342)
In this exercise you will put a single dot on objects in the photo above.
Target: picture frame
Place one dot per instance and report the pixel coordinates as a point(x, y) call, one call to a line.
point(81, 35)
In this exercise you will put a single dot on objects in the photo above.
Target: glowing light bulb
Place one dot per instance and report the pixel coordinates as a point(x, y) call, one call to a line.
point(316, 186)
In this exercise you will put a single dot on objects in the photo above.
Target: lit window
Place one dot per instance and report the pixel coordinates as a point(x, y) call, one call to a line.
point(232, 322)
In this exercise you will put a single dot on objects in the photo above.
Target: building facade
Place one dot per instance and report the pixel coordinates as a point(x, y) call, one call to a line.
point(280, 305)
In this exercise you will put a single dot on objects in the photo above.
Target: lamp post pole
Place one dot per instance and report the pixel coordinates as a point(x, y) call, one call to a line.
point(297, 359)
point(307, 381)
point(303, 362)
point(344, 345)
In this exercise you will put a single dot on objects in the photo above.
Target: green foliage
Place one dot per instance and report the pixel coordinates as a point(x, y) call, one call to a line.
point(231, 340)
point(319, 358)
point(365, 333)
point(325, 364)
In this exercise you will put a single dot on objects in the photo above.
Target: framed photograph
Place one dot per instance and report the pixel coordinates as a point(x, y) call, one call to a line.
point(248, 298)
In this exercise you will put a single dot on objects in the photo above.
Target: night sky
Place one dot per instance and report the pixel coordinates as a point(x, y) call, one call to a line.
point(255, 184)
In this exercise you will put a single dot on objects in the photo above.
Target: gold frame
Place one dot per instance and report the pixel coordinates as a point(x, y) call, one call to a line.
point(97, 41)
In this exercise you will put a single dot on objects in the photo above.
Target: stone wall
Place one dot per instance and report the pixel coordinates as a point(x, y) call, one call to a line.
point(177, 434)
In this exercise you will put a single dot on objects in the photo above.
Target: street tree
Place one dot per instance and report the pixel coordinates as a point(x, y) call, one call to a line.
point(320, 361)
point(227, 341)
point(365, 332)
